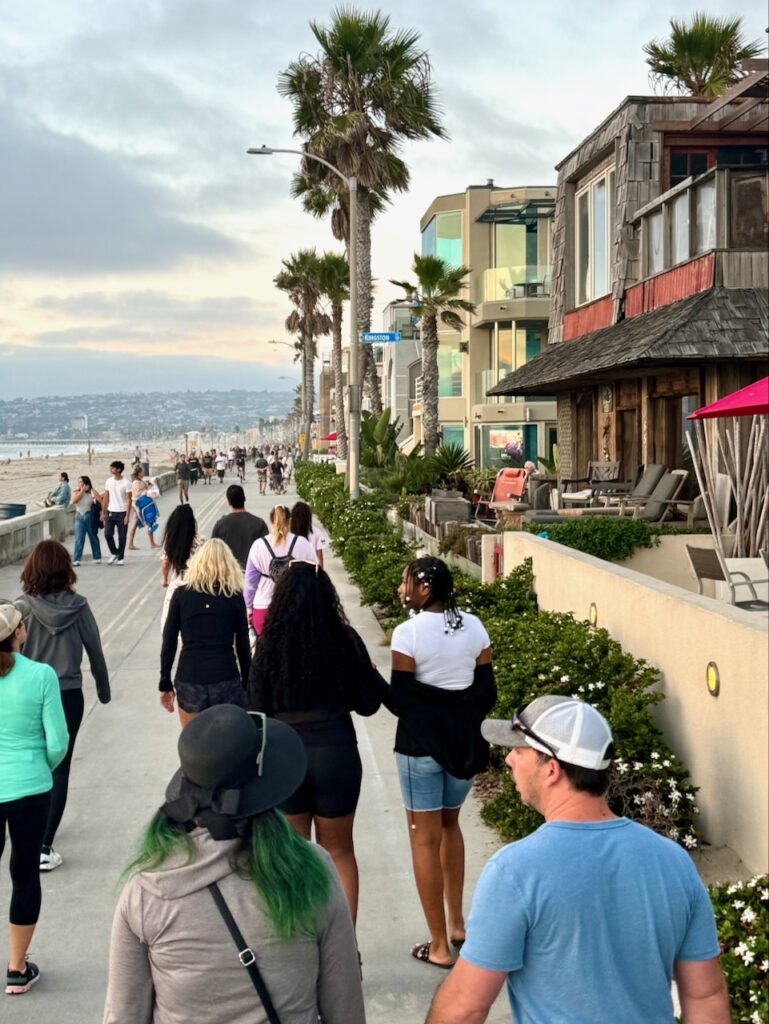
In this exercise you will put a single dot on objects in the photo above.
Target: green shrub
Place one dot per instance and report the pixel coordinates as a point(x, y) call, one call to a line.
point(613, 539)
point(742, 918)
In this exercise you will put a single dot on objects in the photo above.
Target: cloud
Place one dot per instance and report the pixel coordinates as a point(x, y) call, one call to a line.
point(71, 209)
point(155, 308)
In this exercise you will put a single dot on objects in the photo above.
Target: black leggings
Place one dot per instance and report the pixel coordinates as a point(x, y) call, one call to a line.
point(72, 700)
point(26, 820)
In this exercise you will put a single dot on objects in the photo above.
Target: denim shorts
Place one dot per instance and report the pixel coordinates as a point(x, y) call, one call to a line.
point(425, 786)
point(196, 697)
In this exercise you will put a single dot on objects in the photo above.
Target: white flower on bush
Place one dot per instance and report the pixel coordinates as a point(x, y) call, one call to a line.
point(637, 765)
point(738, 904)
point(567, 679)
point(755, 1017)
point(655, 756)
point(765, 965)
point(748, 915)
point(741, 949)
point(690, 841)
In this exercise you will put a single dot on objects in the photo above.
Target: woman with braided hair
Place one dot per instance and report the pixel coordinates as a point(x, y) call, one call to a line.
point(441, 689)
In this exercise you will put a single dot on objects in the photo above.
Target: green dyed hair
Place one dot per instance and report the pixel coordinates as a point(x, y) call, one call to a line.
point(292, 881)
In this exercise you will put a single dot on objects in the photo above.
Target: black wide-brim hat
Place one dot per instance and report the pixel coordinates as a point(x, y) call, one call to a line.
point(219, 751)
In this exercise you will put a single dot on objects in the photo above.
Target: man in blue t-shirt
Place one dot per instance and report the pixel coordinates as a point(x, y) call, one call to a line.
point(589, 918)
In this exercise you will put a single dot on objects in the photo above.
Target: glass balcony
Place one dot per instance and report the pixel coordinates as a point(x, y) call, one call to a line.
point(525, 281)
point(483, 381)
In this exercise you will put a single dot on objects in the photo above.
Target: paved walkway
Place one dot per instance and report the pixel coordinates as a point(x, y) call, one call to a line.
point(125, 755)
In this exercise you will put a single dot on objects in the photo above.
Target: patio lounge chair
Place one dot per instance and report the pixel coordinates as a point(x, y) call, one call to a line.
point(508, 486)
point(597, 472)
point(613, 493)
point(708, 564)
point(651, 508)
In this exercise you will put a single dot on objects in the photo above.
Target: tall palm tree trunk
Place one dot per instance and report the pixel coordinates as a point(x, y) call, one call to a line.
point(308, 392)
point(369, 375)
point(430, 384)
point(336, 357)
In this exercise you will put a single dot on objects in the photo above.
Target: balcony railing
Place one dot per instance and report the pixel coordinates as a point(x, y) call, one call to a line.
point(521, 282)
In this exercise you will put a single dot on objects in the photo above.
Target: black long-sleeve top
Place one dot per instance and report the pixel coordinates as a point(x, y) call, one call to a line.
point(209, 625)
point(325, 721)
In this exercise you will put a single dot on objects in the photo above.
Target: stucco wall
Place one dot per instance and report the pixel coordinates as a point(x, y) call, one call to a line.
point(723, 740)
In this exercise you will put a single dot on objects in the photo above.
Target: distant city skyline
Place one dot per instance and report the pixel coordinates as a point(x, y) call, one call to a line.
point(139, 240)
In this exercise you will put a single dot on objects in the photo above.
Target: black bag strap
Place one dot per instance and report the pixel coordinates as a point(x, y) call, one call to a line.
point(245, 954)
point(291, 548)
point(267, 545)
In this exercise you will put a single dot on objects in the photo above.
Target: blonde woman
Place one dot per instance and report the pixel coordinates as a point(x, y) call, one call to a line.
point(268, 559)
point(209, 614)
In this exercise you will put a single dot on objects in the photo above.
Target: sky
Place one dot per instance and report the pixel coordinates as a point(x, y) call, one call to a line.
point(138, 242)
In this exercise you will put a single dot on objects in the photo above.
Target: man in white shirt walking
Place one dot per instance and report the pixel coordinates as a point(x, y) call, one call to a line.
point(116, 511)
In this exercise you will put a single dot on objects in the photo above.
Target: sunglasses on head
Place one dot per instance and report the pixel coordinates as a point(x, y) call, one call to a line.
point(260, 756)
point(517, 723)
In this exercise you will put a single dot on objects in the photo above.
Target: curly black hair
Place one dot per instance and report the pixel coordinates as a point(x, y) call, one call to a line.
point(306, 649)
point(179, 537)
point(437, 576)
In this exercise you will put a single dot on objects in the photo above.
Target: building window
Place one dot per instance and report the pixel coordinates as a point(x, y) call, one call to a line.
point(509, 444)
point(679, 228)
point(595, 232)
point(655, 248)
point(449, 366)
point(453, 433)
point(686, 163)
point(748, 225)
point(443, 238)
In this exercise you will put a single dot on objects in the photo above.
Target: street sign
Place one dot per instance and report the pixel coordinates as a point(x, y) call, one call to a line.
point(383, 338)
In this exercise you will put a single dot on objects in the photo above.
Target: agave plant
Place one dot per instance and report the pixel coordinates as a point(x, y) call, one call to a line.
point(378, 440)
point(451, 462)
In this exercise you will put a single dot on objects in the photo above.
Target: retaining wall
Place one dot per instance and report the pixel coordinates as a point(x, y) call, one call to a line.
point(723, 739)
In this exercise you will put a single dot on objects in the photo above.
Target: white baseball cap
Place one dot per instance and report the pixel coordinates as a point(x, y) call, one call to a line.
point(10, 617)
point(564, 727)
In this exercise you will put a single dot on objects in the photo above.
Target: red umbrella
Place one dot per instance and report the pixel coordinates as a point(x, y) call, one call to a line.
point(329, 437)
point(750, 401)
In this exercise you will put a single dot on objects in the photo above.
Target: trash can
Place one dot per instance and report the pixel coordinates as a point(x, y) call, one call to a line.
point(9, 510)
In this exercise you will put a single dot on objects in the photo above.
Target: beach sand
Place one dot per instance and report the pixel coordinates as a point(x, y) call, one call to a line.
point(28, 481)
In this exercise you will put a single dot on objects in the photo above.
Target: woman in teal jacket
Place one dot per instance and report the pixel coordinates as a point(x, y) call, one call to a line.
point(33, 740)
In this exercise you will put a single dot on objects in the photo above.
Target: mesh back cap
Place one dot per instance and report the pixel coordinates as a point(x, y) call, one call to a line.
point(574, 730)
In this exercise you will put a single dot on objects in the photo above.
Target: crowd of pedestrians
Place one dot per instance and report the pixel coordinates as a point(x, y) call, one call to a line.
point(587, 919)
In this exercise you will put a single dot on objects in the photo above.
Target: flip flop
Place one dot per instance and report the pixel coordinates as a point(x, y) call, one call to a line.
point(421, 952)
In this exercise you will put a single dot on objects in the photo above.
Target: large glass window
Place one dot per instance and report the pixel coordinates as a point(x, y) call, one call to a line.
point(655, 253)
point(449, 366)
point(748, 209)
point(705, 216)
point(505, 363)
point(453, 433)
point(509, 444)
point(679, 228)
point(595, 220)
point(443, 238)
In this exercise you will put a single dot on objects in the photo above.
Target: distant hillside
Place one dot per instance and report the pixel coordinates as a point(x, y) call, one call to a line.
point(152, 414)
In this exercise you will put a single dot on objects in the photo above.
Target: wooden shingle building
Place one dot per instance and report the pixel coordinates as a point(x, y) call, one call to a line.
point(660, 274)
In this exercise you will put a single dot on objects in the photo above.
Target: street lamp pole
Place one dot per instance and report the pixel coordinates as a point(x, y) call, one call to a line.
point(353, 385)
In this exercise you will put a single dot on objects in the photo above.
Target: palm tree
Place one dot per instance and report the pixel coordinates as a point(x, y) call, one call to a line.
point(366, 92)
point(335, 285)
point(702, 57)
point(434, 297)
point(300, 279)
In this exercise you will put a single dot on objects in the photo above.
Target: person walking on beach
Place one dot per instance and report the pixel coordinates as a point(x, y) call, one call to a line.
point(220, 461)
point(218, 848)
point(302, 526)
point(208, 467)
point(260, 464)
point(590, 917)
point(33, 741)
point(268, 559)
point(116, 512)
point(208, 612)
point(87, 504)
point(183, 479)
point(311, 669)
point(239, 530)
point(194, 463)
point(442, 686)
point(139, 487)
point(60, 626)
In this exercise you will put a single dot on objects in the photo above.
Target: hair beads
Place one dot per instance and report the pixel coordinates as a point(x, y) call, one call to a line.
point(436, 575)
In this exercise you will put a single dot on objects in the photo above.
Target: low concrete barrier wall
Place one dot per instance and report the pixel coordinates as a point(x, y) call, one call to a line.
point(18, 536)
point(724, 740)
point(430, 546)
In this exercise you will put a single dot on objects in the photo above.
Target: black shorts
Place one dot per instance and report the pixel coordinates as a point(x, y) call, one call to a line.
point(196, 697)
point(331, 786)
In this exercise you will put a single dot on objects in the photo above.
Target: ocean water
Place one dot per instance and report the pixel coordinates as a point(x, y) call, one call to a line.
point(53, 449)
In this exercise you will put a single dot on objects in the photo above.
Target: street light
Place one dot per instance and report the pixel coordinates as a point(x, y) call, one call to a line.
point(353, 388)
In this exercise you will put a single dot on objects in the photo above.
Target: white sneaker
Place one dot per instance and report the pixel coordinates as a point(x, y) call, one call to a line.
point(49, 861)
point(121, 561)
point(76, 563)
point(112, 559)
point(96, 561)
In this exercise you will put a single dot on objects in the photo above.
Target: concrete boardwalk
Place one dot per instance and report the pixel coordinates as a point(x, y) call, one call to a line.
point(125, 754)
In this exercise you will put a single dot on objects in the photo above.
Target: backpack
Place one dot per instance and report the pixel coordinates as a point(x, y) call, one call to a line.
point(278, 563)
point(96, 523)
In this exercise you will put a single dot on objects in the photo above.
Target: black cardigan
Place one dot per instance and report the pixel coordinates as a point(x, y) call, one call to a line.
point(443, 724)
point(208, 624)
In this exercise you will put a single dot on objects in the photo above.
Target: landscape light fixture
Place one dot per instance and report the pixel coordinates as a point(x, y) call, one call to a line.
point(353, 387)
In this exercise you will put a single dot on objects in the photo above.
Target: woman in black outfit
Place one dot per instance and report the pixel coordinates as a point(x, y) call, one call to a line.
point(310, 670)
point(209, 613)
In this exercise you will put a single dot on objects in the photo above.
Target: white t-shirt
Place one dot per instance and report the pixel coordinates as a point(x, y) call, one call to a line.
point(259, 557)
point(446, 660)
point(118, 491)
point(221, 461)
point(318, 538)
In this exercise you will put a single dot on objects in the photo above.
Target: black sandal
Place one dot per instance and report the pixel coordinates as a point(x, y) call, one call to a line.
point(421, 952)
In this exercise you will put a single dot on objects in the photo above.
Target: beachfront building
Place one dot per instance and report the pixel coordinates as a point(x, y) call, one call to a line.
point(401, 369)
point(659, 275)
point(504, 236)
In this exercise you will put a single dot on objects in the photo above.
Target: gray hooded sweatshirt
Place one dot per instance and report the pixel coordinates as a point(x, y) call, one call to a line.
point(59, 626)
point(172, 960)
